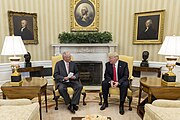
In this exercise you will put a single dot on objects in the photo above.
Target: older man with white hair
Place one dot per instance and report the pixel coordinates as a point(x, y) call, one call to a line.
point(116, 75)
point(66, 75)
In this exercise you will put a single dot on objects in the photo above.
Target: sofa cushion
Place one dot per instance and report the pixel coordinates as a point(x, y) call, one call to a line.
point(161, 113)
point(15, 102)
point(167, 103)
point(23, 112)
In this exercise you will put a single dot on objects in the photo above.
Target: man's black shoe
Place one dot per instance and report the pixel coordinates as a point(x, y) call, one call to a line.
point(75, 107)
point(70, 108)
point(104, 106)
point(121, 110)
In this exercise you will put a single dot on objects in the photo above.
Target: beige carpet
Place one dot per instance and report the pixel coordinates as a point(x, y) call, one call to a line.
point(92, 107)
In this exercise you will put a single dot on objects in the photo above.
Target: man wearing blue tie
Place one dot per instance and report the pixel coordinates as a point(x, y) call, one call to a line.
point(116, 75)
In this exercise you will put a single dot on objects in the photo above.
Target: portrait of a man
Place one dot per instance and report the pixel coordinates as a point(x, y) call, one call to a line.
point(25, 25)
point(24, 30)
point(148, 27)
point(84, 15)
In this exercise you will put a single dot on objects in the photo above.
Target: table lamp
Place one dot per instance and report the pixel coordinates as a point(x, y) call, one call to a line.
point(171, 50)
point(13, 45)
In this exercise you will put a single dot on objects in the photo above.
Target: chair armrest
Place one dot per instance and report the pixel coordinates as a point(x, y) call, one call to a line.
point(167, 103)
point(15, 102)
point(130, 82)
point(131, 78)
point(54, 83)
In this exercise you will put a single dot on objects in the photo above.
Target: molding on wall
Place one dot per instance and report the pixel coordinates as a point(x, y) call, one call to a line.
point(151, 64)
point(5, 69)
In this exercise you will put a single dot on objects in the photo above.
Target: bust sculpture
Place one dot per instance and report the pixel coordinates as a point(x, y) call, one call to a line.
point(27, 59)
point(145, 56)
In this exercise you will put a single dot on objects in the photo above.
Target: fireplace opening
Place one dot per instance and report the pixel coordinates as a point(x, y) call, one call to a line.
point(90, 72)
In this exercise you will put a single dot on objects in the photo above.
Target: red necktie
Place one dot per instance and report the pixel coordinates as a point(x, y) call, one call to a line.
point(114, 73)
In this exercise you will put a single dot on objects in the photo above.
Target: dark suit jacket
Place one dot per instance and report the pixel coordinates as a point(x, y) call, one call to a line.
point(26, 34)
point(60, 71)
point(123, 72)
point(150, 34)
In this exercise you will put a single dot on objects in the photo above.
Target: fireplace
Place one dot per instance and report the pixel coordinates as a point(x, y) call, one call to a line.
point(91, 59)
point(90, 72)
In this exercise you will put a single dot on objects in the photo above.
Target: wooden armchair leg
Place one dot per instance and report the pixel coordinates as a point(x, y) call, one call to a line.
point(56, 100)
point(130, 100)
point(54, 95)
point(84, 96)
point(100, 96)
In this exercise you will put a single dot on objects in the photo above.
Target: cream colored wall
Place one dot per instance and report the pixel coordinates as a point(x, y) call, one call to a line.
point(116, 16)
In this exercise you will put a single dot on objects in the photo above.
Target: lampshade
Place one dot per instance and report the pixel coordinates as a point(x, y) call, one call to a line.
point(170, 46)
point(13, 45)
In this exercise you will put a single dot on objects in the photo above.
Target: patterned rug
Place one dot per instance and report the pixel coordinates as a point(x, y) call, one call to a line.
point(92, 97)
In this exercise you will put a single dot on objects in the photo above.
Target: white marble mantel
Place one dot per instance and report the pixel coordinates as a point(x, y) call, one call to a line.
point(84, 48)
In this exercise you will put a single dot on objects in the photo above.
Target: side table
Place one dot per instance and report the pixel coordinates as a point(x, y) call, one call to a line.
point(154, 88)
point(137, 70)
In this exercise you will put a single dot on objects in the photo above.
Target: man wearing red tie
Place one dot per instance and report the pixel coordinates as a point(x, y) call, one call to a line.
point(116, 75)
point(66, 75)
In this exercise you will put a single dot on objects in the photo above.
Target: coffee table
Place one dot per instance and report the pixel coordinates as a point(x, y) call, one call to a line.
point(31, 87)
point(80, 118)
point(155, 89)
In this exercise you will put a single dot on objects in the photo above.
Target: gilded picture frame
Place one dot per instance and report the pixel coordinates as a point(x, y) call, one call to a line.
point(148, 27)
point(84, 15)
point(25, 25)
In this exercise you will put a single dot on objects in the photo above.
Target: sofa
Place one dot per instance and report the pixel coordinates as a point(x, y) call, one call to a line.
point(19, 109)
point(162, 110)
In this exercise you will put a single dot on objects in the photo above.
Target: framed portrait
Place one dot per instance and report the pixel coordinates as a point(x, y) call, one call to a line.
point(24, 25)
point(148, 27)
point(84, 15)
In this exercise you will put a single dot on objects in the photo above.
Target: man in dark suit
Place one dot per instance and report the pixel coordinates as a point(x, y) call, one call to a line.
point(116, 75)
point(24, 32)
point(66, 75)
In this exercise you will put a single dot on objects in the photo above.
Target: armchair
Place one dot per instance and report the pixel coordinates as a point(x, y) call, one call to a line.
point(55, 59)
point(115, 91)
point(162, 110)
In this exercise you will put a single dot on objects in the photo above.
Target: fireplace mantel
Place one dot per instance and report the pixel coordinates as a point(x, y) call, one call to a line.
point(88, 45)
point(84, 48)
